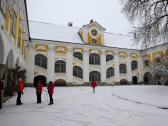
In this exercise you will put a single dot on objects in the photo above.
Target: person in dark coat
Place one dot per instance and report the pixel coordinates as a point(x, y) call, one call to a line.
point(1, 88)
point(20, 91)
point(50, 92)
point(39, 89)
point(93, 85)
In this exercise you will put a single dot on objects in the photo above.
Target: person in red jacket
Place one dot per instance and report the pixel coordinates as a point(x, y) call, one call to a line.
point(50, 92)
point(93, 85)
point(1, 88)
point(20, 91)
point(39, 89)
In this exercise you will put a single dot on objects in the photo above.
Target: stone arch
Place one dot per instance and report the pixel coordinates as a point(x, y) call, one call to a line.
point(10, 59)
point(147, 78)
point(40, 77)
point(134, 80)
point(60, 82)
point(2, 52)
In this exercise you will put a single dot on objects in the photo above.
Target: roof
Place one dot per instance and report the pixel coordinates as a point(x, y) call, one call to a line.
point(46, 31)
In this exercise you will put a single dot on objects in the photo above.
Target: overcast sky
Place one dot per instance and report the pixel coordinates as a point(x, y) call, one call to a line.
point(106, 12)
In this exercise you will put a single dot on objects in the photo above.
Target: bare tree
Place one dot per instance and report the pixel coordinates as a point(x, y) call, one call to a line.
point(152, 19)
point(159, 71)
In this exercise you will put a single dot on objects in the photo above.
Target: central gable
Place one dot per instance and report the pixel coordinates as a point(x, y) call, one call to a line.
point(92, 33)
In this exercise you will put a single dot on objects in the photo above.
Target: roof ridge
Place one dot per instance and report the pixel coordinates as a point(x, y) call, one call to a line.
point(33, 21)
point(118, 34)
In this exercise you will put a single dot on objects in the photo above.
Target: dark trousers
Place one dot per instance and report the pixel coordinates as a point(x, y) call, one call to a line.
point(0, 101)
point(38, 97)
point(18, 101)
point(51, 99)
point(93, 90)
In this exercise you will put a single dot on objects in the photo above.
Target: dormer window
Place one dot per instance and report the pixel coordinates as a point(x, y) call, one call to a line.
point(94, 32)
point(94, 41)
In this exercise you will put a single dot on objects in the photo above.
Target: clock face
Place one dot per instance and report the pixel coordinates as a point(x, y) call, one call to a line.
point(94, 32)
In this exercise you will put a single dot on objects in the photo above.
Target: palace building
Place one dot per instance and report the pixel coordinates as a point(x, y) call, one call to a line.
point(68, 55)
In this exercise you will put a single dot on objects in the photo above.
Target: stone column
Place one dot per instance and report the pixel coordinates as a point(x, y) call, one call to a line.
point(129, 72)
point(116, 60)
point(69, 66)
point(103, 66)
point(51, 64)
point(30, 65)
point(86, 65)
point(140, 68)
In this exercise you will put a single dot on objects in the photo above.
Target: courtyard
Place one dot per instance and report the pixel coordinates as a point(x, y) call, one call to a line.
point(78, 106)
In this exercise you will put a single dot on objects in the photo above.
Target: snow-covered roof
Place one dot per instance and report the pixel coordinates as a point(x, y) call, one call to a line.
point(70, 34)
point(54, 32)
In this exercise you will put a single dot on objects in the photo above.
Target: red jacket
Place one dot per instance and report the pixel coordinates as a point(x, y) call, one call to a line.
point(39, 88)
point(50, 88)
point(93, 84)
point(20, 86)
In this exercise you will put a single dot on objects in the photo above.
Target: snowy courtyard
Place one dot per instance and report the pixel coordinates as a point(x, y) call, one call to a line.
point(78, 106)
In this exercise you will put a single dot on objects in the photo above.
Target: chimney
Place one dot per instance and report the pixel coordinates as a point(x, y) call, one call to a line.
point(70, 24)
point(91, 20)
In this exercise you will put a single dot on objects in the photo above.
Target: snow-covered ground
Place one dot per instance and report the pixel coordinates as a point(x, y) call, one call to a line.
point(78, 106)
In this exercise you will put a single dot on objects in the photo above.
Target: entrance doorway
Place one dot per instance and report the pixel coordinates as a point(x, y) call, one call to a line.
point(134, 80)
point(147, 78)
point(40, 77)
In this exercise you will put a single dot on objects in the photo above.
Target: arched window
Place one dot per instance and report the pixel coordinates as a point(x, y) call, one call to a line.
point(134, 65)
point(110, 72)
point(60, 66)
point(123, 68)
point(78, 55)
point(78, 72)
point(94, 59)
point(94, 75)
point(109, 57)
point(41, 61)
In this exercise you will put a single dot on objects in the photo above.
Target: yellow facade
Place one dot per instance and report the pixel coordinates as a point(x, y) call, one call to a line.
point(89, 38)
point(99, 40)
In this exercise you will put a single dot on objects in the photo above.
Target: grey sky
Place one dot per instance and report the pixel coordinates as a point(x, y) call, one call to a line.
point(105, 12)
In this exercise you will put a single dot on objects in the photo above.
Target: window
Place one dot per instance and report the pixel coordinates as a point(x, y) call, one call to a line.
point(94, 41)
point(123, 68)
point(78, 55)
point(14, 25)
point(94, 75)
point(110, 72)
point(77, 72)
point(146, 62)
point(60, 66)
point(94, 32)
point(3, 4)
point(41, 61)
point(109, 57)
point(94, 59)
point(134, 65)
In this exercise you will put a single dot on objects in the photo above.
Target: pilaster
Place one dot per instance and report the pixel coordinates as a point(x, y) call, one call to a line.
point(86, 65)
point(51, 64)
point(116, 60)
point(103, 66)
point(69, 65)
point(129, 72)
